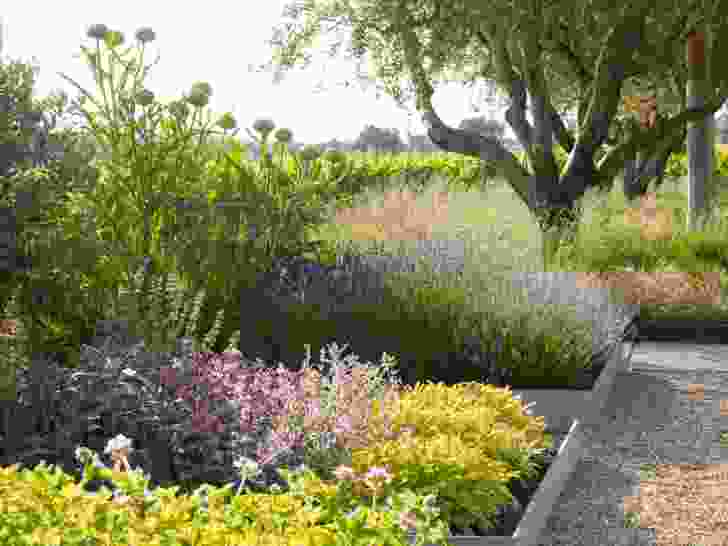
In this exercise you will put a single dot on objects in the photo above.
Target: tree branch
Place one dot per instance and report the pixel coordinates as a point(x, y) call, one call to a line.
point(541, 151)
point(561, 132)
point(615, 58)
point(522, 128)
point(457, 140)
point(654, 140)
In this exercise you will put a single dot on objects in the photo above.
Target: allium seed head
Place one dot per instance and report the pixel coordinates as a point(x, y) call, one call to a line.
point(97, 31)
point(264, 126)
point(198, 99)
point(202, 87)
point(145, 35)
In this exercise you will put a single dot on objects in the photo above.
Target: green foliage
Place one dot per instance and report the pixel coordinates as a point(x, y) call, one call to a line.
point(174, 313)
point(37, 196)
point(283, 199)
point(63, 315)
point(677, 164)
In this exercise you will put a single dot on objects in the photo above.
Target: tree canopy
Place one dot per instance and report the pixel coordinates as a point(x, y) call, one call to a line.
point(379, 138)
point(588, 53)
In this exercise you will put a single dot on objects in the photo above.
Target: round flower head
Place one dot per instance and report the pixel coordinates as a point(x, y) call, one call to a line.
point(145, 35)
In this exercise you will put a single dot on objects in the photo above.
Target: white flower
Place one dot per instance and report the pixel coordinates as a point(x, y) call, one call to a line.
point(120, 442)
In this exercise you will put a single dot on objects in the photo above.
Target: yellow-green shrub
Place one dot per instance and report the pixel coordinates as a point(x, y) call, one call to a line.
point(478, 419)
point(48, 507)
point(478, 428)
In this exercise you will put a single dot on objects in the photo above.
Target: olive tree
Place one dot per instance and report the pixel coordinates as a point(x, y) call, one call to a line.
point(588, 52)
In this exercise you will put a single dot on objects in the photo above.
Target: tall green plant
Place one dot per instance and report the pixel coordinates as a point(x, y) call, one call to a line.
point(38, 170)
point(278, 199)
point(149, 157)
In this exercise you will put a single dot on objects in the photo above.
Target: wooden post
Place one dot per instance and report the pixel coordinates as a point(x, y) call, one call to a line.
point(700, 141)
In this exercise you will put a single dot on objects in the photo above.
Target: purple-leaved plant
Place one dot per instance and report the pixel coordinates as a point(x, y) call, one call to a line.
point(283, 399)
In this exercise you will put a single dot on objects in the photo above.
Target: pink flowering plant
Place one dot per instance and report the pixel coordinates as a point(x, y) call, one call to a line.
point(326, 419)
point(388, 513)
point(277, 396)
point(373, 507)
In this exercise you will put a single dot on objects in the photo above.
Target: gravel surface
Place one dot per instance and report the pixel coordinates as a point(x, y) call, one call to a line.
point(647, 419)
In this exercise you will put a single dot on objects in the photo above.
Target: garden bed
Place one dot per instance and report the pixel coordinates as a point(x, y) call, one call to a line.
point(564, 412)
point(526, 529)
point(532, 499)
point(522, 521)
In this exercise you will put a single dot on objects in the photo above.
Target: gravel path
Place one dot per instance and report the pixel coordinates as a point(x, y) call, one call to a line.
point(647, 419)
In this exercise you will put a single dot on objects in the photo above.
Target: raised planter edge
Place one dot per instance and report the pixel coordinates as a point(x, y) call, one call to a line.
point(541, 505)
point(584, 404)
point(684, 330)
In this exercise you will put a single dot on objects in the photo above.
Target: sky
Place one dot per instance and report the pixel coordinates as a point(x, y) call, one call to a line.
point(217, 44)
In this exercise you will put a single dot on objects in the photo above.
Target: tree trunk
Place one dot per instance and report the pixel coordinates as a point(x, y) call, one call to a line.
point(638, 173)
point(557, 216)
point(700, 149)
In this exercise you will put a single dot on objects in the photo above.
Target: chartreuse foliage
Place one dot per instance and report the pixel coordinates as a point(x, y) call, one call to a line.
point(478, 428)
point(480, 433)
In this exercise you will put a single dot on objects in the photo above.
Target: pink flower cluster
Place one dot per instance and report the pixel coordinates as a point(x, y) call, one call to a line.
point(220, 377)
point(279, 395)
point(352, 423)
